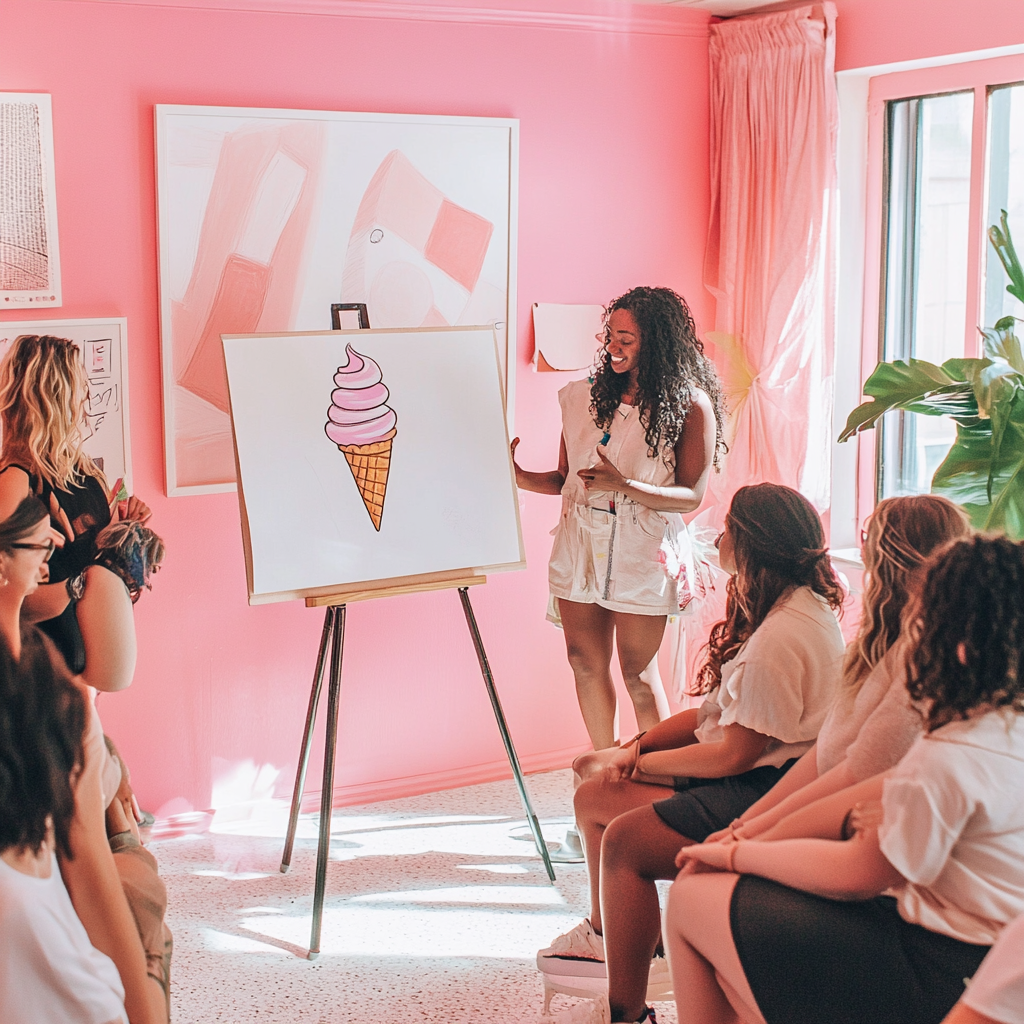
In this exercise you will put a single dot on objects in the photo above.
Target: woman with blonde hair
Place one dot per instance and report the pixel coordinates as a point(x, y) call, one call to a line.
point(86, 609)
point(872, 723)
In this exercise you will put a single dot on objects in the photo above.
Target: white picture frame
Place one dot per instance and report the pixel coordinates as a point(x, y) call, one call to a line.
point(29, 244)
point(266, 217)
point(103, 345)
point(415, 486)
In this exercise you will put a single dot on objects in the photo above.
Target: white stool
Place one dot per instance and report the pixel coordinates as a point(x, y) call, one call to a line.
point(592, 985)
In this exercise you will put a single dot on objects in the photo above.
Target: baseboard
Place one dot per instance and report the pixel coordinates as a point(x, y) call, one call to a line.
point(432, 782)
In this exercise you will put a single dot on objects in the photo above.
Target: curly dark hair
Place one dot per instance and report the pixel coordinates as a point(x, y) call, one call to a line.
point(779, 544)
point(42, 723)
point(671, 364)
point(967, 628)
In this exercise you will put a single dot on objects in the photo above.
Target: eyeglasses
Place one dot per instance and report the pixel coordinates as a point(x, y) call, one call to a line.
point(47, 547)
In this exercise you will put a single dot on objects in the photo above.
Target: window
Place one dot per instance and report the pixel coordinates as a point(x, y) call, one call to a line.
point(949, 146)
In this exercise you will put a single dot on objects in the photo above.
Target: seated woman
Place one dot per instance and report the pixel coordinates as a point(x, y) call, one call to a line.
point(87, 864)
point(802, 933)
point(50, 973)
point(872, 723)
point(770, 676)
point(86, 609)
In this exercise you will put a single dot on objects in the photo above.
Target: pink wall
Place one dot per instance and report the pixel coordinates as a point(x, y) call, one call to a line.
point(872, 32)
point(613, 192)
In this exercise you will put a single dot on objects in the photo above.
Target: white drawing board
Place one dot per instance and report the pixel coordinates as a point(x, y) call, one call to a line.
point(421, 416)
point(268, 217)
point(103, 348)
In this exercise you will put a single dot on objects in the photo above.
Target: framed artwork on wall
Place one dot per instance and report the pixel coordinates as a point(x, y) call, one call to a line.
point(103, 348)
point(268, 218)
point(29, 253)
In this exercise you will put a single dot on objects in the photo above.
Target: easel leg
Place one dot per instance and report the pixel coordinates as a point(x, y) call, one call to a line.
point(499, 715)
point(307, 741)
point(327, 793)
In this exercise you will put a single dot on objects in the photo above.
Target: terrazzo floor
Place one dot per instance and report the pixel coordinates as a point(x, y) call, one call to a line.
point(434, 912)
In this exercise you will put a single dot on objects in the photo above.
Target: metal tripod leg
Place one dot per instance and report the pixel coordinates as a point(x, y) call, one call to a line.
point(499, 715)
point(307, 742)
point(327, 793)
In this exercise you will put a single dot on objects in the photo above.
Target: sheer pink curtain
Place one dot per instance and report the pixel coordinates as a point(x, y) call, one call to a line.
point(770, 260)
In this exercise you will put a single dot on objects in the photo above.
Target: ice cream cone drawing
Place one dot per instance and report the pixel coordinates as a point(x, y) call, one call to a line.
point(363, 427)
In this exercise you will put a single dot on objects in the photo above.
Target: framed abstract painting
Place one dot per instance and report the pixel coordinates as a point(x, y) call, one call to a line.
point(268, 218)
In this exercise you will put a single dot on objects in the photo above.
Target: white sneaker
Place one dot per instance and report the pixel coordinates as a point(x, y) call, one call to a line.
point(579, 952)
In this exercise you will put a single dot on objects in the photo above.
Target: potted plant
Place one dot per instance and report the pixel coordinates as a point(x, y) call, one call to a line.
point(984, 470)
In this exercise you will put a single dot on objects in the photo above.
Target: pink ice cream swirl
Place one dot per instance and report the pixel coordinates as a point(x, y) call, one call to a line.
point(358, 414)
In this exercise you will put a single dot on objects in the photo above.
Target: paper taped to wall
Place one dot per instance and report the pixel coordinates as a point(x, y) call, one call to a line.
point(566, 337)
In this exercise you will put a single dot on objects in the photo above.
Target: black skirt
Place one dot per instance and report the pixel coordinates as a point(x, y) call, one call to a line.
point(810, 960)
point(702, 806)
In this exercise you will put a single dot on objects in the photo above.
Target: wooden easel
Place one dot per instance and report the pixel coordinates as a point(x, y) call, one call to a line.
point(333, 635)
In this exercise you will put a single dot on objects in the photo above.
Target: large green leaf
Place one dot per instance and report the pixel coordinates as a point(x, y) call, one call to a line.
point(899, 385)
point(985, 477)
point(918, 386)
point(1001, 344)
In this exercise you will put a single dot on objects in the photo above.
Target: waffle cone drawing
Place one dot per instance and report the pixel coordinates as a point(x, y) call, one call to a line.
point(370, 464)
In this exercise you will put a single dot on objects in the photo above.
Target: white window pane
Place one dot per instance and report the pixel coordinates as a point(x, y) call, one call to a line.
point(1005, 192)
point(929, 184)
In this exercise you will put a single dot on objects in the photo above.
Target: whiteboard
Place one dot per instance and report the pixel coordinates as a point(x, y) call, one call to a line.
point(267, 217)
point(103, 348)
point(450, 501)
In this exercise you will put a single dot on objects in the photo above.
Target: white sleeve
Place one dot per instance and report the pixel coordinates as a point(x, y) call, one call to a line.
point(997, 990)
point(924, 810)
point(785, 679)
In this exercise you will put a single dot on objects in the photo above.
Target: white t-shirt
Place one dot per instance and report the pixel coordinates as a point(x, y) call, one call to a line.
point(953, 826)
point(49, 971)
point(782, 681)
point(997, 990)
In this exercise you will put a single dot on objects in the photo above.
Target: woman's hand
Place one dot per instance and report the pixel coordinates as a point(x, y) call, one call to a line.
point(604, 476)
point(704, 857)
point(620, 765)
point(134, 509)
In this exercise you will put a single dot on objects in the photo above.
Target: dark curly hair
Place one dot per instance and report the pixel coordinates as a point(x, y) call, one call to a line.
point(671, 364)
point(42, 722)
point(779, 544)
point(967, 628)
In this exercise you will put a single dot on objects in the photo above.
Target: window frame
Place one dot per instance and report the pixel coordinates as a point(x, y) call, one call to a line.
point(979, 75)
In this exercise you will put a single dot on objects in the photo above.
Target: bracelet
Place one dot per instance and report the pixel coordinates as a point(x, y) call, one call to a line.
point(730, 856)
point(75, 587)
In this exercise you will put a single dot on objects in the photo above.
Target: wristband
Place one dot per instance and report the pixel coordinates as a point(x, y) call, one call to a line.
point(75, 587)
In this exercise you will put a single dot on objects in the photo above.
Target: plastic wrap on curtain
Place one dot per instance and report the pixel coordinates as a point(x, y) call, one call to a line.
point(770, 264)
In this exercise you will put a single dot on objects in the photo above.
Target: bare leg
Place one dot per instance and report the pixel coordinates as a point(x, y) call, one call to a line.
point(637, 638)
point(638, 848)
point(589, 630)
point(108, 630)
point(598, 802)
point(707, 976)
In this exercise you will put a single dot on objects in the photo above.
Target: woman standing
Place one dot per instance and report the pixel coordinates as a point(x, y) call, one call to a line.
point(638, 443)
point(87, 608)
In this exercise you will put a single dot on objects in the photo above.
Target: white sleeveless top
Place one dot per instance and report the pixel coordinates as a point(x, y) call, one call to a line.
point(49, 971)
point(608, 549)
